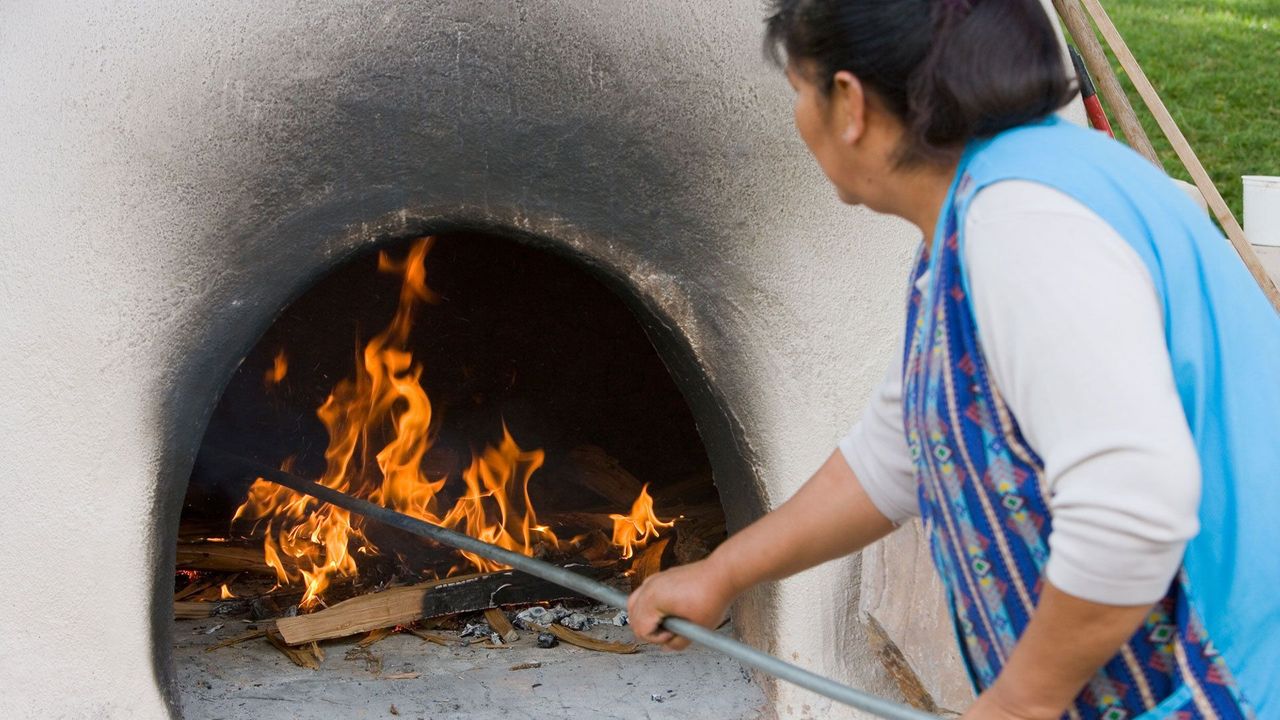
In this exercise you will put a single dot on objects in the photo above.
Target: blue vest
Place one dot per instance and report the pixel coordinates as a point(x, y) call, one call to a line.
point(1211, 648)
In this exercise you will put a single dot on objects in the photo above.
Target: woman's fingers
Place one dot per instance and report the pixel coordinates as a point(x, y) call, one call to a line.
point(643, 617)
point(676, 642)
point(685, 591)
point(662, 637)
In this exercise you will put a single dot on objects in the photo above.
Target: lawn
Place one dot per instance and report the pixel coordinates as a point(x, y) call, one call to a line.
point(1216, 64)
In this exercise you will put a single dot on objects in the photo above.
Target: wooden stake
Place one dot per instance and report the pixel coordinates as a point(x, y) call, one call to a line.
point(1183, 148)
point(1095, 58)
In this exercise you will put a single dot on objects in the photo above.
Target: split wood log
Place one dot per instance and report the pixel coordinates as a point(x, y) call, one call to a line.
point(308, 656)
point(1183, 148)
point(1095, 59)
point(404, 605)
point(188, 610)
point(594, 546)
point(195, 610)
point(391, 607)
point(501, 625)
point(695, 539)
point(581, 520)
point(586, 641)
point(224, 557)
point(601, 520)
point(598, 471)
point(648, 562)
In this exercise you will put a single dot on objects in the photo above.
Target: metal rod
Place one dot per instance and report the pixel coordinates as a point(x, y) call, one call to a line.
point(563, 577)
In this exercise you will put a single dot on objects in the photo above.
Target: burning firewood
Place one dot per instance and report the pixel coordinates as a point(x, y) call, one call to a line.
point(648, 562)
point(404, 605)
point(695, 537)
point(594, 469)
point(223, 557)
point(197, 586)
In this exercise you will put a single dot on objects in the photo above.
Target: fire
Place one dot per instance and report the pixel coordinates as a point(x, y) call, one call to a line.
point(279, 368)
point(497, 483)
point(379, 423)
point(636, 529)
point(226, 593)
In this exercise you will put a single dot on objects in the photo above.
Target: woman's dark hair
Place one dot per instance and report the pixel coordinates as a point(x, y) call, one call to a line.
point(950, 70)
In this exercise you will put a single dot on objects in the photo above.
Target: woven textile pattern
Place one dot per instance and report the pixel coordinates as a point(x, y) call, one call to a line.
point(984, 502)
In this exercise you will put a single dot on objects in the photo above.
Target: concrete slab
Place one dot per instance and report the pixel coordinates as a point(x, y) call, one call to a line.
point(253, 681)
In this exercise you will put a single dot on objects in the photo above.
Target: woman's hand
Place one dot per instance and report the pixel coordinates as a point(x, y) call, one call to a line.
point(830, 517)
point(698, 592)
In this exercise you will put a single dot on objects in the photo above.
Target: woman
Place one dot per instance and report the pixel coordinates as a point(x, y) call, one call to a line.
point(1084, 410)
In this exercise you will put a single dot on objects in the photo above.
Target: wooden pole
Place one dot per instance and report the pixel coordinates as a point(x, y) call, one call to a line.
point(1183, 148)
point(1095, 59)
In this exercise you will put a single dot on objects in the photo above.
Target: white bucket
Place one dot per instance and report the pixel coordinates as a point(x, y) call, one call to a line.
point(1262, 209)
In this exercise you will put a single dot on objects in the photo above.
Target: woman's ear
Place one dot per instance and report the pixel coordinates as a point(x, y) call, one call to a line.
point(848, 107)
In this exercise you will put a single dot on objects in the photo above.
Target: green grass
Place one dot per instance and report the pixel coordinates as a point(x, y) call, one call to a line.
point(1216, 65)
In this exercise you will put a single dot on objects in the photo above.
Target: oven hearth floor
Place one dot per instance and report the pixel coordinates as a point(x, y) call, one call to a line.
point(252, 680)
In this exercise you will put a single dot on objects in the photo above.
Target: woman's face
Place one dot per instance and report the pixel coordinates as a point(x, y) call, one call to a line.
point(846, 136)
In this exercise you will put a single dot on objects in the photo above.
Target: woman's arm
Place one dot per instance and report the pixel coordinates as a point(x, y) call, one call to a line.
point(1065, 643)
point(831, 516)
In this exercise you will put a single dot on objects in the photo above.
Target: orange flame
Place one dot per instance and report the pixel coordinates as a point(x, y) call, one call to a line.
point(634, 530)
point(379, 424)
point(226, 593)
point(386, 397)
point(279, 368)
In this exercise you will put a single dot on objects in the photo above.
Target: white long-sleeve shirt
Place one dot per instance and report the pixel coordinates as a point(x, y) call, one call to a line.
point(1072, 332)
